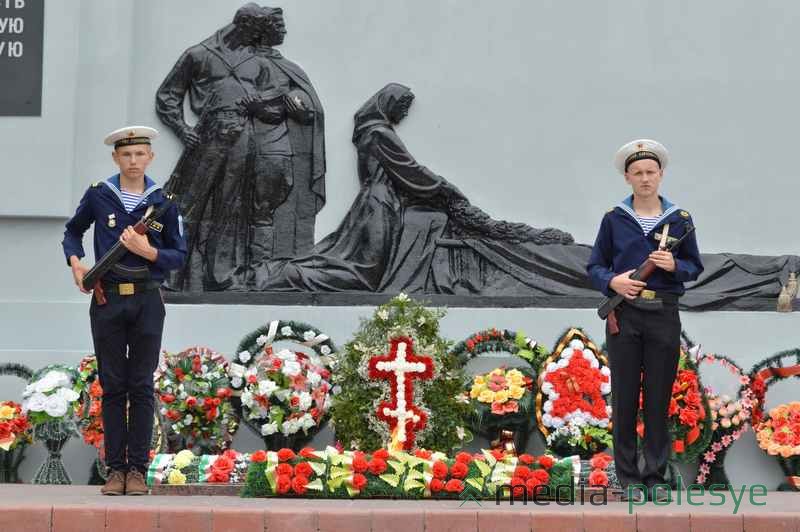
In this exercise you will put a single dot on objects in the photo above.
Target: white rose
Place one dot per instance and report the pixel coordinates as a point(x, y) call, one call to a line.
point(548, 406)
point(55, 406)
point(188, 419)
point(247, 398)
point(547, 420)
point(35, 403)
point(236, 382)
point(285, 354)
point(336, 390)
point(325, 350)
point(261, 340)
point(245, 357)
point(269, 428)
point(67, 394)
point(605, 388)
point(605, 370)
point(305, 401)
point(551, 367)
point(291, 368)
point(309, 335)
point(287, 331)
point(308, 422)
point(314, 378)
point(576, 344)
point(547, 387)
point(282, 395)
point(266, 387)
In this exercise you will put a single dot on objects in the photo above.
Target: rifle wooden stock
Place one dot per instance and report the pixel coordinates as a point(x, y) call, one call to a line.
point(92, 278)
point(641, 274)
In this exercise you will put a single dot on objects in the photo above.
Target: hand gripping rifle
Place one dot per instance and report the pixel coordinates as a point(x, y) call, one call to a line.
point(607, 308)
point(117, 251)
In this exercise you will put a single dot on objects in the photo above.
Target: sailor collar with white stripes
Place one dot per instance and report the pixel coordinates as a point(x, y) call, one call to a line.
point(666, 206)
point(113, 185)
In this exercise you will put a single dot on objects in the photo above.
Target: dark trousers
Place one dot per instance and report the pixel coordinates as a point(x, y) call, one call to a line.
point(645, 352)
point(127, 339)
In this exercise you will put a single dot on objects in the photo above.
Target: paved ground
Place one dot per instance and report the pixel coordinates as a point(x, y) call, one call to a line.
point(82, 508)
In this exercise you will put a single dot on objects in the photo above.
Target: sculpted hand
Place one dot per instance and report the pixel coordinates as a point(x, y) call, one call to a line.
point(625, 286)
point(190, 138)
point(78, 271)
point(138, 244)
point(664, 260)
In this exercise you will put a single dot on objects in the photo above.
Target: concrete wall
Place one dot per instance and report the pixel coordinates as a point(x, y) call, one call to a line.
point(521, 104)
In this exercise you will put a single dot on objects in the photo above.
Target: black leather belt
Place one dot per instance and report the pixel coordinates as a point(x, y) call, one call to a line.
point(652, 300)
point(129, 289)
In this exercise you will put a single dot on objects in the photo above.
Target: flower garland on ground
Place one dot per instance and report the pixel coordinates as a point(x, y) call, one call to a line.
point(285, 394)
point(90, 407)
point(689, 413)
point(194, 392)
point(572, 406)
point(730, 418)
point(185, 467)
point(355, 408)
point(773, 432)
point(332, 473)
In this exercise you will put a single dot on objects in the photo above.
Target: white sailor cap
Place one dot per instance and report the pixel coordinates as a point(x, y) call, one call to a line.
point(639, 149)
point(127, 136)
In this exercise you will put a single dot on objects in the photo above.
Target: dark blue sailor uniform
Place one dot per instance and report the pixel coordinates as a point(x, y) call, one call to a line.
point(127, 330)
point(647, 347)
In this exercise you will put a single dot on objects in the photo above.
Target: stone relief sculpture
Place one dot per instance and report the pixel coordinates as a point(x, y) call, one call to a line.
point(411, 230)
point(251, 179)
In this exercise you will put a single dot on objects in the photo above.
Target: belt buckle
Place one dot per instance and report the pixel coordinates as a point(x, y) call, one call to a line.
point(126, 289)
point(647, 294)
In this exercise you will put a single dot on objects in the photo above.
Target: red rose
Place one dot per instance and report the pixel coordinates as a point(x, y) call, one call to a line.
point(436, 485)
point(454, 486)
point(283, 484)
point(541, 475)
point(294, 401)
point(284, 469)
point(252, 379)
point(359, 481)
point(223, 393)
point(377, 466)
point(277, 363)
point(303, 469)
point(522, 472)
point(600, 461)
point(173, 415)
point(232, 454)
point(459, 470)
point(464, 458)
point(526, 459)
point(259, 456)
point(598, 477)
point(383, 454)
point(167, 398)
point(688, 417)
point(439, 469)
point(532, 483)
point(211, 414)
point(546, 461)
point(179, 374)
point(284, 455)
point(360, 464)
point(223, 463)
point(517, 481)
point(422, 453)
point(498, 454)
point(299, 484)
point(191, 401)
point(308, 452)
point(220, 477)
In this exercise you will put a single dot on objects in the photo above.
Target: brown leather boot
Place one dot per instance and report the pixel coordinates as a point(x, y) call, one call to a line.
point(134, 483)
point(115, 485)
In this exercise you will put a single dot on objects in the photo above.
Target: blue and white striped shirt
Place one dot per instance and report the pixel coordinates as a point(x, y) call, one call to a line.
point(646, 222)
point(130, 200)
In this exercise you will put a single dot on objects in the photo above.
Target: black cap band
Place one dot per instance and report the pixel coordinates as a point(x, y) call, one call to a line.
point(639, 156)
point(130, 141)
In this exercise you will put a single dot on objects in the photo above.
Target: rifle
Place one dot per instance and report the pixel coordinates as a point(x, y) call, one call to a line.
point(117, 251)
point(609, 304)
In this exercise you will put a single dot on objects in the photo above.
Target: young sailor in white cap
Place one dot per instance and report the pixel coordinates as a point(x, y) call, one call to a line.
point(647, 345)
point(127, 326)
